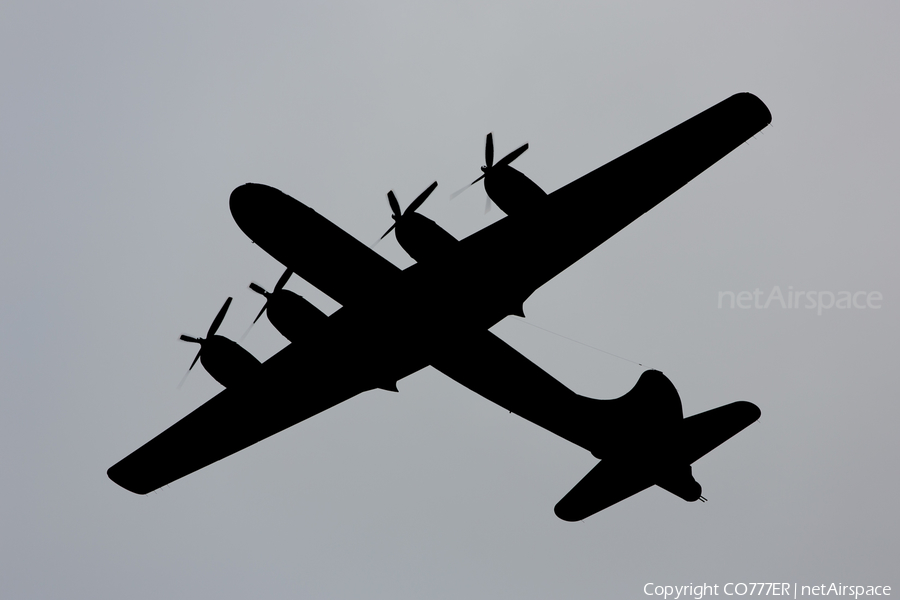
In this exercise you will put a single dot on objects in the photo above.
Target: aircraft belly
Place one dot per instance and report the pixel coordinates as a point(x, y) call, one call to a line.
point(392, 323)
point(297, 383)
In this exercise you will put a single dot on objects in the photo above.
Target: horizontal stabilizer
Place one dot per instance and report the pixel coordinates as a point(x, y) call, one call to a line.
point(614, 480)
point(703, 432)
point(607, 483)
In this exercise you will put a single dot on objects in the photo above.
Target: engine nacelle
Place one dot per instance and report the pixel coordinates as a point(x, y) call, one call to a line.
point(512, 190)
point(293, 315)
point(423, 239)
point(227, 362)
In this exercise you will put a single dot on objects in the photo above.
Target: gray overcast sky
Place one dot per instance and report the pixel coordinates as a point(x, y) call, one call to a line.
point(124, 127)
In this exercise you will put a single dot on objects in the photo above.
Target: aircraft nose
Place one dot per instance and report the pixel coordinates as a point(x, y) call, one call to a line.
point(259, 210)
point(242, 198)
point(248, 205)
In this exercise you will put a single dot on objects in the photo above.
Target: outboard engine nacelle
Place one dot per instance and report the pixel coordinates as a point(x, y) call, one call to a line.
point(513, 191)
point(509, 189)
point(227, 362)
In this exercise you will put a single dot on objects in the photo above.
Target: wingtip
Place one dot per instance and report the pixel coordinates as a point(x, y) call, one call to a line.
point(752, 411)
point(118, 475)
point(566, 515)
point(753, 104)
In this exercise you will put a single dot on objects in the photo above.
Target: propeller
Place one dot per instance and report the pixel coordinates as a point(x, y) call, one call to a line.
point(268, 295)
point(212, 331)
point(395, 206)
point(489, 163)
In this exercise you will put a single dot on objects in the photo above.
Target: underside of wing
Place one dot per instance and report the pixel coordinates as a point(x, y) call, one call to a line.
point(234, 419)
point(638, 180)
point(218, 428)
point(308, 244)
point(598, 205)
point(536, 246)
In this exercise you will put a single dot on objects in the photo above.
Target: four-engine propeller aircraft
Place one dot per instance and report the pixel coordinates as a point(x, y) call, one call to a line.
point(438, 311)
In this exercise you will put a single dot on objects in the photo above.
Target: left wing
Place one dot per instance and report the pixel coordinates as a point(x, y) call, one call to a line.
point(232, 420)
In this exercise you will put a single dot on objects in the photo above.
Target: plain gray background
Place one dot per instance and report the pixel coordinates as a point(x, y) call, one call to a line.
point(123, 129)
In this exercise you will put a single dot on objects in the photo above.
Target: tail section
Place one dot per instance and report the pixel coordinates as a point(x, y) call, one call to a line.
point(703, 432)
point(667, 463)
point(606, 484)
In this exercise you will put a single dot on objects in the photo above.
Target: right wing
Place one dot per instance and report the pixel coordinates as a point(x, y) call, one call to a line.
point(534, 246)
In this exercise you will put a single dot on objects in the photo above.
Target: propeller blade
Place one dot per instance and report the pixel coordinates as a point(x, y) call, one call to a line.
point(196, 358)
point(249, 327)
point(513, 155)
point(187, 338)
point(387, 232)
point(262, 310)
point(395, 206)
point(218, 320)
point(422, 197)
point(465, 187)
point(282, 280)
point(460, 190)
point(258, 289)
point(181, 383)
point(489, 162)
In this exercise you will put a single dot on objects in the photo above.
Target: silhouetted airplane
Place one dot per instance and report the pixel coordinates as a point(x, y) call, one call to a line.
point(437, 312)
